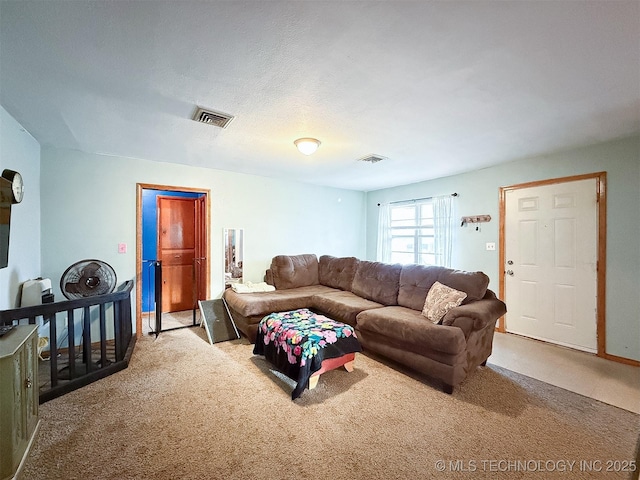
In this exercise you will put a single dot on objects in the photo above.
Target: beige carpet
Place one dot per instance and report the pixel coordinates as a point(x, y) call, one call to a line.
point(185, 409)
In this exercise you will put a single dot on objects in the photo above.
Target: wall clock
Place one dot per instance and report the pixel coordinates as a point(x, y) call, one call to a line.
point(17, 186)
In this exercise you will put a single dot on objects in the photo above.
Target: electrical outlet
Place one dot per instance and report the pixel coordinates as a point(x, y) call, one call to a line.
point(122, 248)
point(491, 246)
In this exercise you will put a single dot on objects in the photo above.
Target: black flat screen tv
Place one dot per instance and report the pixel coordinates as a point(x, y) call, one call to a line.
point(5, 220)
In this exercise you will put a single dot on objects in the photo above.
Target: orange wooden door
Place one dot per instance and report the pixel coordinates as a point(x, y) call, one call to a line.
point(176, 250)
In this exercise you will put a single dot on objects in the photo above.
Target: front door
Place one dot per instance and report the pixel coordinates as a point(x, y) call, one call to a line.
point(176, 251)
point(551, 253)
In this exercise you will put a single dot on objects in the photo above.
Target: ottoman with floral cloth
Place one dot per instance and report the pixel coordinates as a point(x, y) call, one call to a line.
point(302, 344)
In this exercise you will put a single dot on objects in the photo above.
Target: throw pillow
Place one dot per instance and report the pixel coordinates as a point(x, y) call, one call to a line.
point(440, 300)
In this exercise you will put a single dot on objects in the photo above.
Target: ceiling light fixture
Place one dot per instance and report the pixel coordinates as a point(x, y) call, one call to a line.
point(307, 145)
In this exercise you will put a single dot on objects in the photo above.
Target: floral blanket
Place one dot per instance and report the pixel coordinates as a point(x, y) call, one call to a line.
point(297, 342)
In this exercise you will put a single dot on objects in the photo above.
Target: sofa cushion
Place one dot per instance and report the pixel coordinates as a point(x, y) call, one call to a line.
point(409, 329)
point(416, 280)
point(291, 271)
point(337, 272)
point(263, 303)
point(378, 282)
point(342, 306)
point(440, 300)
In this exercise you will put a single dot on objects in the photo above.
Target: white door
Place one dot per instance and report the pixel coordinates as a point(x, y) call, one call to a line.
point(551, 248)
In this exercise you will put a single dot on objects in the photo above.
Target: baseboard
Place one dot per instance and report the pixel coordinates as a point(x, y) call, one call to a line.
point(626, 361)
point(46, 354)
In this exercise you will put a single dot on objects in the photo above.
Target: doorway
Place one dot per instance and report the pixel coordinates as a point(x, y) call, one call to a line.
point(172, 260)
point(552, 259)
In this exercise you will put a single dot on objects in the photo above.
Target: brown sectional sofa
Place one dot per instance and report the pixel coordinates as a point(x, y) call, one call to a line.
point(384, 303)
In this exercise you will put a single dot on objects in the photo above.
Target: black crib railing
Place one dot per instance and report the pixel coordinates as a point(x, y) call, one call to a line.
point(89, 339)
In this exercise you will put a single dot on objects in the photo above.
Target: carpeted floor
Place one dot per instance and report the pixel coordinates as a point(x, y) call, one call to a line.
point(185, 409)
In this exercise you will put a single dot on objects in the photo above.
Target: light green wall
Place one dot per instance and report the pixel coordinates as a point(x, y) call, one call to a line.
point(86, 205)
point(89, 206)
point(19, 151)
point(479, 194)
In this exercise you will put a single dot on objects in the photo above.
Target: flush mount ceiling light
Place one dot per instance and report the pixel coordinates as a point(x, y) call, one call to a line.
point(307, 145)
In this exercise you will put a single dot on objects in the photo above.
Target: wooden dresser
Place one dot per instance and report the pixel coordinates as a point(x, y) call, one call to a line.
point(18, 397)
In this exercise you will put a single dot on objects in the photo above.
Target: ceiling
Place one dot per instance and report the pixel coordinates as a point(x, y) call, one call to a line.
point(437, 87)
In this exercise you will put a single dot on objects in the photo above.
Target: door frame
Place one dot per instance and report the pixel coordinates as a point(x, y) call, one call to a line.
point(148, 186)
point(601, 268)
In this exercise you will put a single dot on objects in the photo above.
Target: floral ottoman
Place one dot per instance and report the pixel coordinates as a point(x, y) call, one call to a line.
point(302, 345)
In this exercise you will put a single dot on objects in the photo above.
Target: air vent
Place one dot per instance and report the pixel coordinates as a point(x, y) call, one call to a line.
point(372, 158)
point(211, 117)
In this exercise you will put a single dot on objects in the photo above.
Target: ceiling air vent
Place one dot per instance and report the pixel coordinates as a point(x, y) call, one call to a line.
point(211, 117)
point(372, 158)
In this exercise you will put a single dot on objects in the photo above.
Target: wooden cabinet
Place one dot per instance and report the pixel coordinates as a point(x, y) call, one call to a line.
point(18, 397)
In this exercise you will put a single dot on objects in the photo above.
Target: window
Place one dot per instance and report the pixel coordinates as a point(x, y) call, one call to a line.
point(412, 233)
point(417, 232)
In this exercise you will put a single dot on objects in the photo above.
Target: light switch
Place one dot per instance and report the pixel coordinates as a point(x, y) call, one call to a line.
point(491, 246)
point(122, 248)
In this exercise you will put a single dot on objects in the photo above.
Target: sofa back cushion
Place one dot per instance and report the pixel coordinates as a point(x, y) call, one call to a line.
point(416, 280)
point(337, 272)
point(378, 282)
point(291, 271)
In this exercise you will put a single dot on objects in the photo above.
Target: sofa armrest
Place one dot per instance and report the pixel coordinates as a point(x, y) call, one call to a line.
point(476, 315)
point(268, 277)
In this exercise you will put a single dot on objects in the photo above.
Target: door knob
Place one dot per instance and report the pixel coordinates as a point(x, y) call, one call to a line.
point(510, 272)
point(510, 262)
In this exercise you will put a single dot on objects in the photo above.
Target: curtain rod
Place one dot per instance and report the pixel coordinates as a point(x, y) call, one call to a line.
point(454, 194)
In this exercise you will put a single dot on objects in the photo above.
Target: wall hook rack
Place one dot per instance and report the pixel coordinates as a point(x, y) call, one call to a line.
point(475, 219)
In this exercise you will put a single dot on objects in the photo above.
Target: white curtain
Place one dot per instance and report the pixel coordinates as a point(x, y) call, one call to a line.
point(384, 234)
point(444, 226)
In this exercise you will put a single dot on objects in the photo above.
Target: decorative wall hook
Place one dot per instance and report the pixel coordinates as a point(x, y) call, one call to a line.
point(475, 219)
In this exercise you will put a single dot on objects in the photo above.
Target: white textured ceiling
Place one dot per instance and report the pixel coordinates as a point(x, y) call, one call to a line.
point(438, 87)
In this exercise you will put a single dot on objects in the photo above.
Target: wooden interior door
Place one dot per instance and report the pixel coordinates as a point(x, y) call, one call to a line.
point(176, 251)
